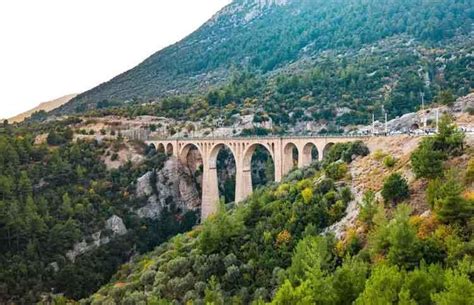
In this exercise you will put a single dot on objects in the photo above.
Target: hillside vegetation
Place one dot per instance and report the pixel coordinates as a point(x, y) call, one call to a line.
point(300, 54)
point(270, 250)
point(59, 193)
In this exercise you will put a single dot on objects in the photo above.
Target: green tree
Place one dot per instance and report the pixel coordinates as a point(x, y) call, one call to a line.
point(349, 280)
point(66, 206)
point(449, 139)
point(469, 176)
point(459, 290)
point(312, 252)
point(368, 208)
point(404, 247)
point(426, 161)
point(218, 234)
point(25, 188)
point(445, 97)
point(383, 286)
point(213, 293)
point(424, 281)
point(395, 189)
point(287, 294)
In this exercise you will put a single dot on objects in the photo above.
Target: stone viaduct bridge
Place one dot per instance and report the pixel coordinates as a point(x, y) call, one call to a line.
point(281, 149)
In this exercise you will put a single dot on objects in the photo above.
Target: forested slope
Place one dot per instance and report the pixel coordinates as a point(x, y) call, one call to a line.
point(388, 50)
point(56, 194)
point(270, 248)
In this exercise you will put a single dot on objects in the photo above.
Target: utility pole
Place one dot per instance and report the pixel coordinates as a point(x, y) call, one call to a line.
point(437, 120)
point(422, 94)
point(373, 124)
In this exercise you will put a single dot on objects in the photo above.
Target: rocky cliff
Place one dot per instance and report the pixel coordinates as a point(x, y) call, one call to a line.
point(173, 184)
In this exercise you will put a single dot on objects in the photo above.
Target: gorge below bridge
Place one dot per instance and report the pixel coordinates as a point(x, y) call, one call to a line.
point(281, 149)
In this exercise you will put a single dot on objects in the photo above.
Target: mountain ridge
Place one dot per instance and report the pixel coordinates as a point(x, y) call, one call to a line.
point(46, 106)
point(262, 36)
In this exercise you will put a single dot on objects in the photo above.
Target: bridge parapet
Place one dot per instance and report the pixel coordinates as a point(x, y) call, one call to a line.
point(258, 137)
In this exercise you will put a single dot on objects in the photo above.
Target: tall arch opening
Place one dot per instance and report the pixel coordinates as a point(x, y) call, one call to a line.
point(169, 149)
point(290, 157)
point(327, 148)
point(191, 157)
point(310, 154)
point(222, 159)
point(258, 160)
point(161, 148)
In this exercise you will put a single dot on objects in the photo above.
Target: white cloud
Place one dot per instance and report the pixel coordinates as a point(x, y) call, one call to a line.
point(51, 48)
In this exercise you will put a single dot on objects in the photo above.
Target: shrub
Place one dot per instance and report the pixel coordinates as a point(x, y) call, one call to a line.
point(345, 151)
point(336, 170)
point(307, 194)
point(469, 176)
point(379, 154)
point(218, 232)
point(395, 189)
point(368, 208)
point(283, 238)
point(389, 161)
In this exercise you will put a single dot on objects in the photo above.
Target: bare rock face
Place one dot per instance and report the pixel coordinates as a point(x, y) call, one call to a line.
point(144, 188)
point(464, 104)
point(174, 185)
point(114, 224)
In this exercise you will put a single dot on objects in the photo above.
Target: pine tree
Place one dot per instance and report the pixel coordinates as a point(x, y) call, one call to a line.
point(395, 189)
point(426, 161)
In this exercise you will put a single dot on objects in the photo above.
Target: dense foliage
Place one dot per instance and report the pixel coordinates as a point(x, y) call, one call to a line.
point(238, 254)
point(54, 196)
point(270, 250)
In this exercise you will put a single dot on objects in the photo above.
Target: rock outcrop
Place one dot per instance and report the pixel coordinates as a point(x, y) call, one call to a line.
point(174, 184)
point(114, 224)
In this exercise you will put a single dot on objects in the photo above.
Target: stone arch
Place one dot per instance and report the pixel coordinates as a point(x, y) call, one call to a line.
point(215, 151)
point(310, 154)
point(290, 157)
point(249, 151)
point(161, 148)
point(247, 163)
point(183, 154)
point(326, 148)
point(169, 149)
point(227, 188)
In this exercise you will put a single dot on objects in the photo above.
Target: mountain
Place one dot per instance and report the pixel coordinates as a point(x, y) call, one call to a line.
point(45, 106)
point(274, 37)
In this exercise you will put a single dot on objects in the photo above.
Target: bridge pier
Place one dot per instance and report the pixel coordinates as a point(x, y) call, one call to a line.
point(210, 190)
point(280, 149)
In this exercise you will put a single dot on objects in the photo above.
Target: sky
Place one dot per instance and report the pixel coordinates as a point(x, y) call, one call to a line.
point(51, 48)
